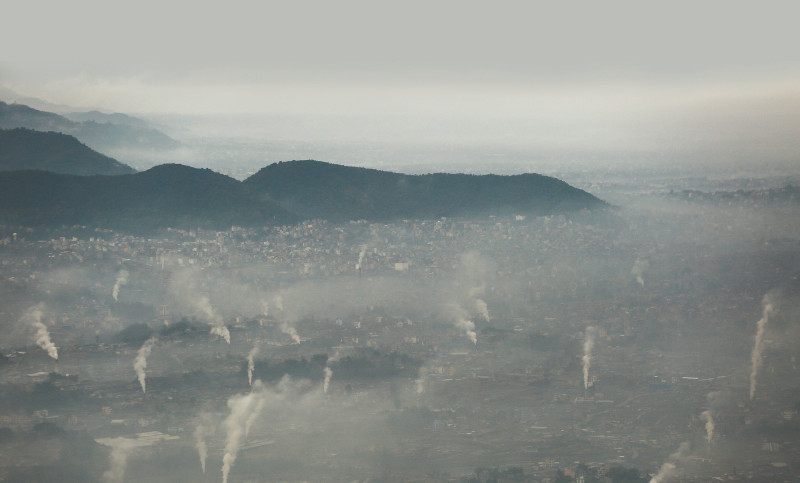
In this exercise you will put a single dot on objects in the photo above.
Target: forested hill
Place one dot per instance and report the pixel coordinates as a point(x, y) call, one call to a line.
point(51, 151)
point(165, 196)
point(102, 136)
point(315, 189)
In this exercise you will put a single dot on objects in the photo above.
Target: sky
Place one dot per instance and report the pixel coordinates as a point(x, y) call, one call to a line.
point(711, 79)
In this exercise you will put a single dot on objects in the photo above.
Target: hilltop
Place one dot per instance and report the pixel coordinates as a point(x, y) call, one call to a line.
point(178, 196)
point(315, 189)
point(102, 136)
point(22, 149)
point(165, 196)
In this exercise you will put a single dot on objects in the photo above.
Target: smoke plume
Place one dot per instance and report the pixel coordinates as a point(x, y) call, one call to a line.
point(243, 411)
point(140, 363)
point(327, 381)
point(669, 466)
point(34, 317)
point(218, 327)
point(251, 364)
point(462, 322)
point(639, 267)
point(361, 257)
point(118, 459)
point(709, 420)
point(122, 279)
point(204, 430)
point(482, 309)
point(755, 358)
point(588, 344)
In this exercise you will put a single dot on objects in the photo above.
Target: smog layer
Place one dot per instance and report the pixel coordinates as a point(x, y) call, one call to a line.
point(653, 341)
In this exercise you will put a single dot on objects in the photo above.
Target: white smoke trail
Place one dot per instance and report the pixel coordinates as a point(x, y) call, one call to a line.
point(118, 459)
point(244, 409)
point(419, 383)
point(140, 363)
point(639, 267)
point(122, 279)
point(289, 330)
point(251, 364)
point(327, 381)
point(482, 309)
point(34, 317)
point(709, 420)
point(361, 257)
point(669, 466)
point(285, 326)
point(462, 323)
point(588, 344)
point(218, 327)
point(204, 430)
point(755, 357)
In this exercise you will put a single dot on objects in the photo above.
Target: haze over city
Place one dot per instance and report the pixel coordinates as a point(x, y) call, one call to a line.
point(417, 242)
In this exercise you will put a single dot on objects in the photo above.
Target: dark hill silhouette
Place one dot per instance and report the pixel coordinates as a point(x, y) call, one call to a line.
point(101, 136)
point(51, 151)
point(315, 189)
point(165, 196)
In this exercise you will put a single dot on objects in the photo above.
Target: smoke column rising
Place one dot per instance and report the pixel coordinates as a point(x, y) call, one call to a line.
point(118, 459)
point(204, 430)
point(140, 363)
point(218, 327)
point(639, 267)
point(482, 308)
point(465, 325)
point(361, 257)
point(34, 316)
point(243, 411)
point(251, 364)
point(327, 381)
point(755, 357)
point(122, 279)
point(669, 466)
point(709, 420)
point(588, 344)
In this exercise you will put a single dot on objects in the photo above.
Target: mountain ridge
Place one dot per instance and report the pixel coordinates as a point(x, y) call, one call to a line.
point(23, 148)
point(316, 189)
point(101, 136)
point(179, 196)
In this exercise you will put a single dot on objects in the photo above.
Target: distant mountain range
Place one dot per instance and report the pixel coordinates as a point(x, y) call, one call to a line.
point(314, 189)
point(100, 132)
point(284, 193)
point(51, 151)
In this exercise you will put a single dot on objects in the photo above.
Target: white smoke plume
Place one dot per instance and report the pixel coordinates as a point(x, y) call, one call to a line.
point(669, 466)
point(419, 383)
point(118, 459)
point(286, 327)
point(361, 257)
point(251, 364)
point(756, 358)
point(588, 345)
point(709, 420)
point(327, 381)
point(204, 430)
point(140, 363)
point(244, 409)
point(462, 322)
point(289, 330)
point(482, 309)
point(122, 279)
point(218, 327)
point(34, 317)
point(639, 267)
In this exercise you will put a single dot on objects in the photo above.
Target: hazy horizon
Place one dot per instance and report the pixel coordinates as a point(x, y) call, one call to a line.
point(623, 84)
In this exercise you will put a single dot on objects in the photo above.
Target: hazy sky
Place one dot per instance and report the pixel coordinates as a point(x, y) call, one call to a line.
point(584, 75)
